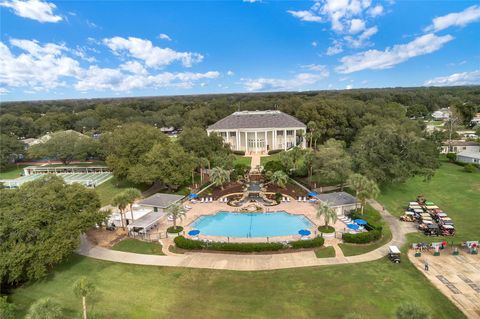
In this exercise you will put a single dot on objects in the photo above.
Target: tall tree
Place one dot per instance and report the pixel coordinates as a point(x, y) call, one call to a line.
point(66, 147)
point(312, 127)
point(127, 145)
point(332, 162)
point(83, 288)
point(364, 188)
point(329, 215)
point(32, 243)
point(10, 149)
point(121, 201)
point(176, 211)
point(45, 308)
point(278, 178)
point(131, 195)
point(219, 176)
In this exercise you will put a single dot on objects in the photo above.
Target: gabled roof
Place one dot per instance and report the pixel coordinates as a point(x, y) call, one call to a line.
point(461, 143)
point(470, 154)
point(337, 198)
point(257, 119)
point(160, 200)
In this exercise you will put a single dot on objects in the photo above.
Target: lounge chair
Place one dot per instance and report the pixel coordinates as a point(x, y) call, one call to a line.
point(202, 200)
point(304, 198)
point(211, 199)
point(283, 199)
point(299, 198)
point(288, 199)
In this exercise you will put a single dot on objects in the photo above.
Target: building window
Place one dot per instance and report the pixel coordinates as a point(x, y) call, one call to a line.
point(223, 134)
point(279, 133)
point(233, 134)
point(290, 132)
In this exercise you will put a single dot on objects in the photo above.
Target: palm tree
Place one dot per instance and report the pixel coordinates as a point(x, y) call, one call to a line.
point(45, 308)
point(328, 213)
point(176, 211)
point(121, 201)
point(131, 195)
point(219, 176)
point(364, 188)
point(279, 178)
point(83, 288)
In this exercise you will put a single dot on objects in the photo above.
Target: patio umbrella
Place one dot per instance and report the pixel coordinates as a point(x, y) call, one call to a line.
point(304, 232)
point(360, 222)
point(312, 194)
point(194, 232)
point(352, 226)
point(193, 195)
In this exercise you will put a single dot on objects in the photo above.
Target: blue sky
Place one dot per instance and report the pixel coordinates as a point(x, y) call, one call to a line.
point(85, 49)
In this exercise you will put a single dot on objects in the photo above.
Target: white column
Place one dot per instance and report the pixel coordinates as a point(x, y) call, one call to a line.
point(246, 142)
point(256, 142)
point(237, 136)
point(266, 141)
point(304, 142)
point(285, 140)
point(275, 146)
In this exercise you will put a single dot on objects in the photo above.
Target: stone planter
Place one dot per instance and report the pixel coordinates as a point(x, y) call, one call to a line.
point(172, 235)
point(328, 235)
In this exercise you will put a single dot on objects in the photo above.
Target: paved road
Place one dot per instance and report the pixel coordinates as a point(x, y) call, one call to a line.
point(250, 262)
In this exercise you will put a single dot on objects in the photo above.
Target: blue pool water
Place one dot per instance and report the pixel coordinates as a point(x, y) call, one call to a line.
point(230, 224)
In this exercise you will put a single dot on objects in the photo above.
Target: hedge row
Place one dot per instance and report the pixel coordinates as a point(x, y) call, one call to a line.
point(185, 243)
point(309, 243)
point(362, 238)
point(238, 152)
point(271, 152)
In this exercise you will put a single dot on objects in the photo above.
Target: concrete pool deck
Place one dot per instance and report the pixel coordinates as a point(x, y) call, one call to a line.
point(254, 262)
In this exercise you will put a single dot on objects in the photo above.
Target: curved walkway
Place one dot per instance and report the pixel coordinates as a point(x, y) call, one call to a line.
point(250, 262)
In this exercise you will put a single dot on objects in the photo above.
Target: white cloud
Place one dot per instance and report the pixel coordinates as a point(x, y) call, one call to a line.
point(348, 87)
point(164, 36)
point(322, 69)
point(360, 41)
point(33, 9)
point(299, 81)
point(375, 59)
point(40, 66)
point(305, 15)
point(336, 48)
point(375, 11)
point(463, 78)
point(460, 19)
point(356, 25)
point(134, 67)
point(252, 1)
point(314, 44)
point(152, 56)
point(3, 91)
point(230, 73)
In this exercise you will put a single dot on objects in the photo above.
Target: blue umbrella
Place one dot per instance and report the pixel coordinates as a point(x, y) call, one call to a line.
point(304, 232)
point(360, 222)
point(312, 194)
point(194, 232)
point(193, 195)
point(352, 226)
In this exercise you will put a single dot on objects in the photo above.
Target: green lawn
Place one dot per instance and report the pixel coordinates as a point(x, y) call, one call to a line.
point(265, 159)
point(113, 186)
point(11, 171)
point(137, 246)
point(453, 190)
point(358, 249)
point(242, 160)
point(325, 252)
point(373, 289)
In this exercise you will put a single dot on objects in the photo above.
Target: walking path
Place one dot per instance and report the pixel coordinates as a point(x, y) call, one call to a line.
point(250, 262)
point(256, 160)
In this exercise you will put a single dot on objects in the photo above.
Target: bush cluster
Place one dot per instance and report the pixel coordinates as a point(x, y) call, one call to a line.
point(174, 230)
point(271, 152)
point(326, 229)
point(470, 168)
point(185, 243)
point(309, 243)
point(362, 238)
point(238, 152)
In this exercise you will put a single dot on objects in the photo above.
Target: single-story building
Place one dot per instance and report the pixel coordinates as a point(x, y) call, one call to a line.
point(260, 131)
point(159, 202)
point(341, 202)
point(457, 146)
point(440, 115)
point(470, 157)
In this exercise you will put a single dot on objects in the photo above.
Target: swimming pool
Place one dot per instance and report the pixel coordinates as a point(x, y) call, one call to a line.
point(231, 224)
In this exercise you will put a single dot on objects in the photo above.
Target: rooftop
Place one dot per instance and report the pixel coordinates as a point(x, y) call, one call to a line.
point(337, 198)
point(461, 143)
point(257, 119)
point(470, 154)
point(161, 200)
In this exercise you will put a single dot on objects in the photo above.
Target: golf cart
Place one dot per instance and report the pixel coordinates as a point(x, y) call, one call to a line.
point(432, 230)
point(447, 230)
point(408, 217)
point(421, 200)
point(394, 254)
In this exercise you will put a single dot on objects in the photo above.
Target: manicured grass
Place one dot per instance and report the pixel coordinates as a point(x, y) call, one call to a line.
point(325, 252)
point(137, 246)
point(113, 186)
point(242, 160)
point(358, 249)
point(373, 289)
point(452, 189)
point(265, 159)
point(11, 171)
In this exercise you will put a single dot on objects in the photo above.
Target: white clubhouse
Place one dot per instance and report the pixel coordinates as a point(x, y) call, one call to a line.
point(260, 131)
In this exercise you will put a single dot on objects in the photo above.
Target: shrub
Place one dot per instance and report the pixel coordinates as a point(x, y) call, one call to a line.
point(238, 152)
point(278, 197)
point(469, 168)
point(452, 157)
point(184, 243)
point(271, 152)
point(174, 230)
point(362, 238)
point(309, 243)
point(326, 229)
point(273, 166)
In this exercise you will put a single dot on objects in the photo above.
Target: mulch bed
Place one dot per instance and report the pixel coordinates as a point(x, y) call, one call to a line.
point(291, 190)
point(233, 187)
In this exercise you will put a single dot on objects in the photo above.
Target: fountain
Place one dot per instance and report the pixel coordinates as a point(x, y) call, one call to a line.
point(253, 194)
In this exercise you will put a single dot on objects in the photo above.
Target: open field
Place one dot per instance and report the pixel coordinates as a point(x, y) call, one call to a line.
point(325, 252)
point(113, 186)
point(242, 160)
point(373, 289)
point(11, 171)
point(453, 190)
point(139, 247)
